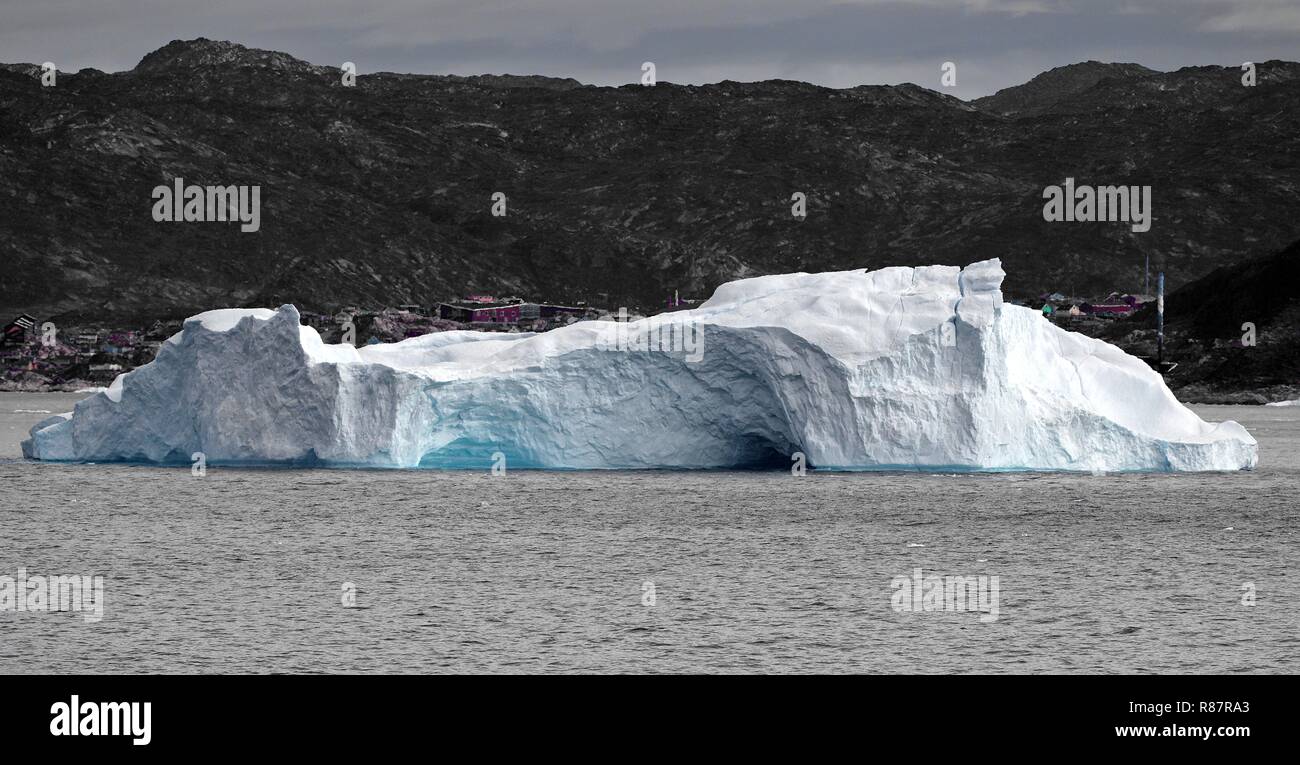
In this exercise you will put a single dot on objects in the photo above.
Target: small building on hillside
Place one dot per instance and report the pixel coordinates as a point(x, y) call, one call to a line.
point(452, 312)
point(1111, 310)
point(16, 331)
point(511, 314)
point(315, 320)
point(496, 315)
point(103, 372)
point(573, 312)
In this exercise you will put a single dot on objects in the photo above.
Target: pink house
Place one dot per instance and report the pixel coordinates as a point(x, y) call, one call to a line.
point(506, 314)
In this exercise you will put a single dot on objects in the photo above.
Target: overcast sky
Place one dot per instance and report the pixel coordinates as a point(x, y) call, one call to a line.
point(839, 43)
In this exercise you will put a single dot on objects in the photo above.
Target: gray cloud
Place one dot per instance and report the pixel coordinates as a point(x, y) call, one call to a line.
point(838, 43)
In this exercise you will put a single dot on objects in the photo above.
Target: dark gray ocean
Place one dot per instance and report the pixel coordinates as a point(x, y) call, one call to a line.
point(247, 570)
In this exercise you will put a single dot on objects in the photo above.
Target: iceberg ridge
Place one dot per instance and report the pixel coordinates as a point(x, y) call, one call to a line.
point(900, 368)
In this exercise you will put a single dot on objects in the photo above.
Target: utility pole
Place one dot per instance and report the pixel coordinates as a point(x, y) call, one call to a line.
point(1160, 321)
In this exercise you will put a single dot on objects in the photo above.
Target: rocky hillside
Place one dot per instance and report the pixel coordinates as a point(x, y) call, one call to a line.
point(1204, 332)
point(380, 194)
point(1055, 88)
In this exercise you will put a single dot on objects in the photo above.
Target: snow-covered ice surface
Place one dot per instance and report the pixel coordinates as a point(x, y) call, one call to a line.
point(1295, 402)
point(912, 368)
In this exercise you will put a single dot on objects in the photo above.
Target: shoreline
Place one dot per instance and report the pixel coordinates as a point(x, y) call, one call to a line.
point(71, 387)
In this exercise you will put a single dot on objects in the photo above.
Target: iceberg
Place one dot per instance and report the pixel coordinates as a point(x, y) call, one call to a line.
point(900, 368)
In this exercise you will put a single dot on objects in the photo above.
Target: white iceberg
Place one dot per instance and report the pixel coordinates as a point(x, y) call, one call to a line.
point(900, 368)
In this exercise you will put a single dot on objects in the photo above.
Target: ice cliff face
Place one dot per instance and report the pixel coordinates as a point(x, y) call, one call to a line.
point(918, 368)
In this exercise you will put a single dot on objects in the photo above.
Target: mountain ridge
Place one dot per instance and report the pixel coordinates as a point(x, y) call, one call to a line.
point(1051, 87)
point(381, 194)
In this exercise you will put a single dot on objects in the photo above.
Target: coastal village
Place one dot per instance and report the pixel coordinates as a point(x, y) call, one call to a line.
point(1080, 312)
point(36, 354)
point(40, 355)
